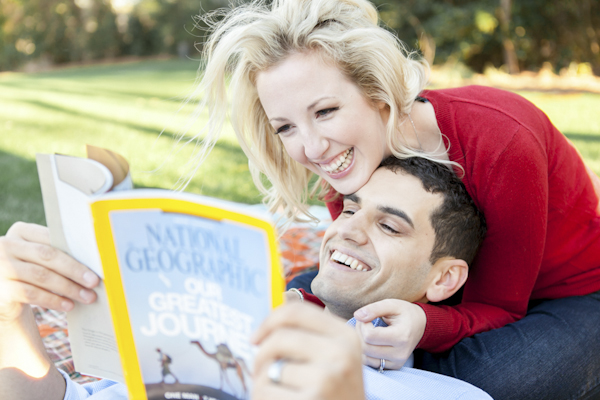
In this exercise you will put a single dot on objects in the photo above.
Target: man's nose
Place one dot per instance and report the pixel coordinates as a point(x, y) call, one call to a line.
point(315, 144)
point(354, 229)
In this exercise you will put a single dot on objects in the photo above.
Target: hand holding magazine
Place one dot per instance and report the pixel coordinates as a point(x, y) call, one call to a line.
point(187, 279)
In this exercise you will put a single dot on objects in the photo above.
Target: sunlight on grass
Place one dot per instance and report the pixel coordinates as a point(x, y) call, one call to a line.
point(121, 107)
point(125, 106)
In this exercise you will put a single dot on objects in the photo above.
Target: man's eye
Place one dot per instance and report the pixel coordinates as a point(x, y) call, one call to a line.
point(348, 212)
point(326, 111)
point(282, 129)
point(389, 229)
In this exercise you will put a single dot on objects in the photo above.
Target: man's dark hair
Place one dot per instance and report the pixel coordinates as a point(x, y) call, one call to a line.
point(458, 225)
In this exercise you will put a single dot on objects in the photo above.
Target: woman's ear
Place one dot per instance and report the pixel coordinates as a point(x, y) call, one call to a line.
point(449, 275)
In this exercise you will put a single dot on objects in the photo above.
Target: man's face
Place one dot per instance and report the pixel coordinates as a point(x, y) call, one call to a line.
point(379, 247)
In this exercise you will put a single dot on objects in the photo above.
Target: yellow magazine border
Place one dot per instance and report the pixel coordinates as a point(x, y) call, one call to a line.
point(112, 276)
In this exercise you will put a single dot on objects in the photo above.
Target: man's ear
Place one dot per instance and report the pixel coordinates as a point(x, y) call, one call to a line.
point(449, 276)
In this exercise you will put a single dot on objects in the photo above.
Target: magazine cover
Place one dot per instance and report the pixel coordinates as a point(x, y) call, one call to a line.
point(189, 279)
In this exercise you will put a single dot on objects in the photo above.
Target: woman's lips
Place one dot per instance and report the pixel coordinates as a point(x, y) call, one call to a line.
point(340, 163)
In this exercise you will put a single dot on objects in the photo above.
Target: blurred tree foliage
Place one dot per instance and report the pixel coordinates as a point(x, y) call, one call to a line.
point(481, 32)
point(521, 35)
point(56, 31)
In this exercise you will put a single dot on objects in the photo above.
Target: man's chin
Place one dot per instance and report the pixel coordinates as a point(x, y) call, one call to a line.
point(335, 299)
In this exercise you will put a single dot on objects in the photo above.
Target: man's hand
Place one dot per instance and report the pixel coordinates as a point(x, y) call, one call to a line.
point(395, 343)
point(321, 356)
point(33, 272)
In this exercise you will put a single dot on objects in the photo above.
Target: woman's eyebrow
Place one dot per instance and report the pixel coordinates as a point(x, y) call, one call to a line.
point(314, 104)
point(398, 213)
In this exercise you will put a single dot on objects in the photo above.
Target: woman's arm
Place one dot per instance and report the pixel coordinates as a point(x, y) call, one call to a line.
point(512, 192)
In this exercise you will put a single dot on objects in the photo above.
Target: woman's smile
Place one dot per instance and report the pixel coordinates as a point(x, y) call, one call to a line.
point(324, 120)
point(340, 163)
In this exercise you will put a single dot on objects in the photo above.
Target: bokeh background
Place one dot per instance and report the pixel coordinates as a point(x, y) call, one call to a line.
point(119, 74)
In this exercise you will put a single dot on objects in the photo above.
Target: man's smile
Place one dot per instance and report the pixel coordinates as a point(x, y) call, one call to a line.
point(349, 261)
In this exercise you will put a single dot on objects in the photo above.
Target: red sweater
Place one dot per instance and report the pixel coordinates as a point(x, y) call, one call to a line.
point(540, 202)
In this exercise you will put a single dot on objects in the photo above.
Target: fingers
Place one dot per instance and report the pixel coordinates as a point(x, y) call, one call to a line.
point(300, 316)
point(44, 287)
point(33, 272)
point(376, 363)
point(289, 344)
point(48, 257)
point(383, 343)
point(293, 296)
point(375, 335)
point(322, 356)
point(19, 292)
point(383, 308)
point(29, 232)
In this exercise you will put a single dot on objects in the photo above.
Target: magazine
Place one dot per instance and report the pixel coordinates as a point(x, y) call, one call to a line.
point(186, 280)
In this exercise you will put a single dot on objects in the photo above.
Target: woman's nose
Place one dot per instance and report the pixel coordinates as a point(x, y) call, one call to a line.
point(315, 145)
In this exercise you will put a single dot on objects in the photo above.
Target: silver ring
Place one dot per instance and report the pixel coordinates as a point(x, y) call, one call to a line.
point(381, 365)
point(299, 293)
point(275, 370)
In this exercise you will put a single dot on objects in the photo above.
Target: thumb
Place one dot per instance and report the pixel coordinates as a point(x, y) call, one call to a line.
point(383, 308)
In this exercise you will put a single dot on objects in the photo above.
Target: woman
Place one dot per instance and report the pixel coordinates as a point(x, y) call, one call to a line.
point(318, 88)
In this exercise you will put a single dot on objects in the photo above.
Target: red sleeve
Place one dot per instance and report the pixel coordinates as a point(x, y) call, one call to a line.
point(512, 192)
point(311, 298)
point(335, 207)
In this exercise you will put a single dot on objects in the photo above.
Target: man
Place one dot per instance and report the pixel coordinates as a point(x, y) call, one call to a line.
point(406, 236)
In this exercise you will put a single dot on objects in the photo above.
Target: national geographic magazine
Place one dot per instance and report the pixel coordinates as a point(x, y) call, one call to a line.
point(186, 280)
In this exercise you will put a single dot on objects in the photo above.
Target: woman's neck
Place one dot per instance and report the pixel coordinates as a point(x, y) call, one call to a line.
point(420, 131)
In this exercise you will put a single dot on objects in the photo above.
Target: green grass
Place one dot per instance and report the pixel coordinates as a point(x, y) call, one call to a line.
point(122, 107)
point(125, 106)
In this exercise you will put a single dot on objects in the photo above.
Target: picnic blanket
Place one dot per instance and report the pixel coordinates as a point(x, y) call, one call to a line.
point(299, 247)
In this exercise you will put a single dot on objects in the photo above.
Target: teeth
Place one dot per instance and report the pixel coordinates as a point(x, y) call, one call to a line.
point(347, 260)
point(339, 163)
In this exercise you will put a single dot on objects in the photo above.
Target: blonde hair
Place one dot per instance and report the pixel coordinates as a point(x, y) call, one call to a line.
point(250, 38)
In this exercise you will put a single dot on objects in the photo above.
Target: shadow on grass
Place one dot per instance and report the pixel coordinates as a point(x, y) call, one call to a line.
point(229, 147)
point(21, 196)
point(97, 118)
point(584, 137)
point(183, 71)
point(89, 91)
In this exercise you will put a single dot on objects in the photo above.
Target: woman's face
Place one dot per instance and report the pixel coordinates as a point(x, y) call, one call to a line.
point(324, 121)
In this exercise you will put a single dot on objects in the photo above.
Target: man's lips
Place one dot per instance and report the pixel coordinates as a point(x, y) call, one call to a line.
point(349, 261)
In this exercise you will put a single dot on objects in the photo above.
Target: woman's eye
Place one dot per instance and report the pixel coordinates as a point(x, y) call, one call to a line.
point(326, 111)
point(389, 229)
point(283, 129)
point(348, 212)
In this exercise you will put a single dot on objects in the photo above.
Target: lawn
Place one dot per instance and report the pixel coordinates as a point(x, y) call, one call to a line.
point(125, 106)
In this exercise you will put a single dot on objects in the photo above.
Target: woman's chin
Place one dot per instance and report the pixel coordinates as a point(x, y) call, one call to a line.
point(348, 185)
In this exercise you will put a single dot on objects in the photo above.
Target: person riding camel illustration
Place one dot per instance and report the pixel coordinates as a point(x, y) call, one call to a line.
point(226, 359)
point(165, 363)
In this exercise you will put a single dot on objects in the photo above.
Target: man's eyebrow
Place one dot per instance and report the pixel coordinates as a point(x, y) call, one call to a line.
point(388, 210)
point(352, 197)
point(398, 213)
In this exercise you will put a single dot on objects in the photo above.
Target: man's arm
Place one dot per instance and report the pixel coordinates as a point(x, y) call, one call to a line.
point(26, 371)
point(32, 272)
point(305, 353)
